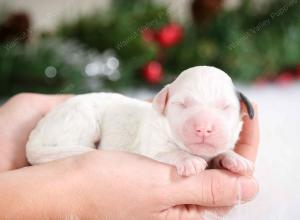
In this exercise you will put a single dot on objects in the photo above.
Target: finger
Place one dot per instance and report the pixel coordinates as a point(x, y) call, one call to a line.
point(212, 188)
point(194, 212)
point(248, 143)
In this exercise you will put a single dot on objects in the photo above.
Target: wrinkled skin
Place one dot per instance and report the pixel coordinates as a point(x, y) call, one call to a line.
point(108, 185)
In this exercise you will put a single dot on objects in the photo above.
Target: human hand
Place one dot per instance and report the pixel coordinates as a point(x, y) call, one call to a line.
point(140, 188)
point(118, 185)
point(204, 193)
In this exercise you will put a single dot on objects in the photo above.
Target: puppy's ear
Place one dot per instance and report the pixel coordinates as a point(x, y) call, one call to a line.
point(161, 99)
point(247, 103)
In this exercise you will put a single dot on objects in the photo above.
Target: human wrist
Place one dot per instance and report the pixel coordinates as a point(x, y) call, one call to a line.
point(43, 192)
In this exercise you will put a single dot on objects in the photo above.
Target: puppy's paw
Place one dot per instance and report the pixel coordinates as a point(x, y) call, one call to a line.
point(236, 163)
point(191, 166)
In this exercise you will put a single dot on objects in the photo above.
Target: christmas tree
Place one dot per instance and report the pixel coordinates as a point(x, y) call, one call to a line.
point(138, 44)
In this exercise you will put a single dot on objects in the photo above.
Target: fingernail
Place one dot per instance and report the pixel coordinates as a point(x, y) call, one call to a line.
point(248, 188)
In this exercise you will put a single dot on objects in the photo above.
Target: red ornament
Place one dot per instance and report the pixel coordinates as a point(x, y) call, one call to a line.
point(285, 78)
point(169, 35)
point(153, 72)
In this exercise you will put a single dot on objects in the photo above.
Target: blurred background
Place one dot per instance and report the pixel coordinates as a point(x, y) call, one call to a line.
point(54, 46)
point(137, 46)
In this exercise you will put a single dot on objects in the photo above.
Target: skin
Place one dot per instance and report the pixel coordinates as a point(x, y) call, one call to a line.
point(130, 187)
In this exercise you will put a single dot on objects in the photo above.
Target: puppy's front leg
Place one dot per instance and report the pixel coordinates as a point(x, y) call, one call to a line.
point(233, 162)
point(185, 163)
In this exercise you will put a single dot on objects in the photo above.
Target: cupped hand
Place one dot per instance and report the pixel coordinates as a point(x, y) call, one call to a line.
point(115, 185)
point(141, 188)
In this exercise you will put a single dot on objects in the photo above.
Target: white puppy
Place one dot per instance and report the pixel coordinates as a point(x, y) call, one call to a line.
point(192, 120)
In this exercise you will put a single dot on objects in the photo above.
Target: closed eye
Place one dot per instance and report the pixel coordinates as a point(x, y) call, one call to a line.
point(225, 107)
point(181, 104)
point(229, 107)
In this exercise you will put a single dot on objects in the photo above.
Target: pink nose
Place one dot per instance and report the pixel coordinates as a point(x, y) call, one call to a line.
point(203, 131)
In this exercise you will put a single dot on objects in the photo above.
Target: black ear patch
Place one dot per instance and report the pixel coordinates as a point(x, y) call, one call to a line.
point(247, 103)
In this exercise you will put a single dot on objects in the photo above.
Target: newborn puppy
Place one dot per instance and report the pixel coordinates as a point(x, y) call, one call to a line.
point(191, 121)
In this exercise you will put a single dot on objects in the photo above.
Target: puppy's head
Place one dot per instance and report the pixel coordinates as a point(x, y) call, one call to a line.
point(203, 110)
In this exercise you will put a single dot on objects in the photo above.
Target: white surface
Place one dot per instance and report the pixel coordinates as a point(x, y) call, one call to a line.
point(277, 167)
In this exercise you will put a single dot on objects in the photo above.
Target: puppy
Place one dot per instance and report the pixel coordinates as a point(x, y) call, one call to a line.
point(191, 121)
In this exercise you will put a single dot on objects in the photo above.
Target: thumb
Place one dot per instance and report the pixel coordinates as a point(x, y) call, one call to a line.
point(212, 188)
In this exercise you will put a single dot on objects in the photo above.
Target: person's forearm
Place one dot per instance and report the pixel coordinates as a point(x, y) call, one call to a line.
point(42, 192)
